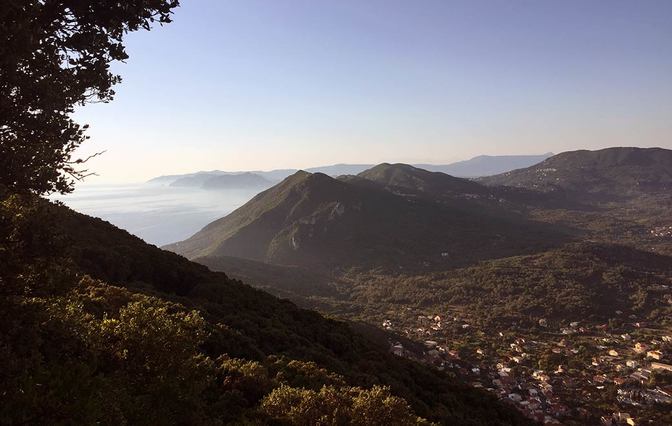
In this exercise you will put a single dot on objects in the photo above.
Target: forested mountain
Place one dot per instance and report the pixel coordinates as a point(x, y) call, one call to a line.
point(144, 336)
point(318, 221)
point(412, 180)
point(614, 195)
point(614, 172)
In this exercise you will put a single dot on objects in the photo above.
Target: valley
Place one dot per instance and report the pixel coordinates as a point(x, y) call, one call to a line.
point(551, 329)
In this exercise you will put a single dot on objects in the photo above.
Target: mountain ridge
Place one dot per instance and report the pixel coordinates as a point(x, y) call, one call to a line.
point(406, 177)
point(481, 165)
point(614, 171)
point(315, 220)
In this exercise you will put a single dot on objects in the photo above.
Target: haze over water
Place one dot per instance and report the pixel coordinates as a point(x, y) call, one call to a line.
point(157, 214)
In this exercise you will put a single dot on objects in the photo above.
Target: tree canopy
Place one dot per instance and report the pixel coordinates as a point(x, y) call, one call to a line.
point(55, 55)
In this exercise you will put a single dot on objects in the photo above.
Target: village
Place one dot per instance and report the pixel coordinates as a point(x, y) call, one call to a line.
point(618, 373)
point(662, 231)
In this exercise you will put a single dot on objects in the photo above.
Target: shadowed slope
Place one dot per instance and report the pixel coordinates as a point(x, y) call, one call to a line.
point(163, 291)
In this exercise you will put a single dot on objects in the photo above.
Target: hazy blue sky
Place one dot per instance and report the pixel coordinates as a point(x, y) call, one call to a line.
point(252, 84)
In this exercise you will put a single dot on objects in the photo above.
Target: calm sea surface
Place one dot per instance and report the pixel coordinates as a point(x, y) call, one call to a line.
point(157, 214)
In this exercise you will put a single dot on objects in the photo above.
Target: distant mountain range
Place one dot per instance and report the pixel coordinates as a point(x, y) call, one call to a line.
point(483, 165)
point(244, 180)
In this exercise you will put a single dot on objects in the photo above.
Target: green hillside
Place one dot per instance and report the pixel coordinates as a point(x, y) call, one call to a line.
point(99, 327)
point(402, 177)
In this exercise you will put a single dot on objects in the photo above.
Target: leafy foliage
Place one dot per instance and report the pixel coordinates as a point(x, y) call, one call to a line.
point(338, 406)
point(55, 55)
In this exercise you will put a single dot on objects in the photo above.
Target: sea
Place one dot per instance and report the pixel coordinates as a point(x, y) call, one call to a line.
point(158, 214)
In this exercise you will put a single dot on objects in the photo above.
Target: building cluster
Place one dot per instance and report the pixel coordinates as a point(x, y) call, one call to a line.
point(555, 372)
point(662, 231)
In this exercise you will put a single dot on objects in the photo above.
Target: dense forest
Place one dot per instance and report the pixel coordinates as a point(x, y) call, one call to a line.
point(579, 281)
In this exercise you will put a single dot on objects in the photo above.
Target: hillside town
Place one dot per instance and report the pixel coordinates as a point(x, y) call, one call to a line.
point(662, 231)
point(619, 373)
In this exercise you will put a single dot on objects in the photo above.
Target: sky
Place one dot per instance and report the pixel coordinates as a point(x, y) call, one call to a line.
point(267, 84)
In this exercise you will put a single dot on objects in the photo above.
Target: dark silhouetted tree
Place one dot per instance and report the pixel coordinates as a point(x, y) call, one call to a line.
point(55, 55)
